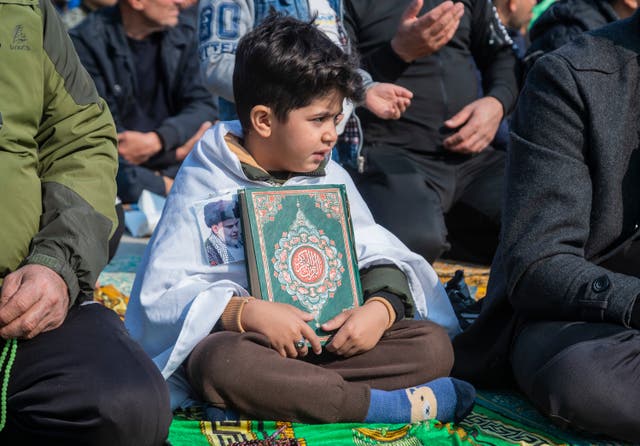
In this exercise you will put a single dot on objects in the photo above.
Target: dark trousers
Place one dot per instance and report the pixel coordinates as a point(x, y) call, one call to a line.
point(241, 371)
point(114, 241)
point(583, 375)
point(85, 383)
point(436, 203)
point(133, 179)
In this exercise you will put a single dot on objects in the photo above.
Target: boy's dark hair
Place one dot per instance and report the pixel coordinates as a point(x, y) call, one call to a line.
point(285, 64)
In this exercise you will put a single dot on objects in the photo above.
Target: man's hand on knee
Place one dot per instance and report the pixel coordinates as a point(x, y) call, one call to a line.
point(34, 299)
point(476, 125)
point(138, 147)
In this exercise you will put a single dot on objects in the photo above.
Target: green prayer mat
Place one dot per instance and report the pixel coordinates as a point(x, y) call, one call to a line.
point(185, 432)
point(499, 418)
point(508, 410)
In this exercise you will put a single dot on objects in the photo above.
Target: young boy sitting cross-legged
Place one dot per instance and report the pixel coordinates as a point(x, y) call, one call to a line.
point(215, 343)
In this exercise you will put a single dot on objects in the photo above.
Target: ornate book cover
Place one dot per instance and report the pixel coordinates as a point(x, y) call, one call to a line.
point(300, 249)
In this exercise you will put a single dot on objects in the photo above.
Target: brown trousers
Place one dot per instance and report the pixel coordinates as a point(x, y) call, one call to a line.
point(240, 371)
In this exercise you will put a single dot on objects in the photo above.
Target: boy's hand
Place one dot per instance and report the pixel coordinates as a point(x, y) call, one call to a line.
point(387, 101)
point(282, 324)
point(359, 329)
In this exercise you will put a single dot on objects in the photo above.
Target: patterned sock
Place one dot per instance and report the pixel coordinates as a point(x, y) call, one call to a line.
point(445, 399)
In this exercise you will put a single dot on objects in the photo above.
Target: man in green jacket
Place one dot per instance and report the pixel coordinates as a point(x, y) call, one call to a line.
point(58, 161)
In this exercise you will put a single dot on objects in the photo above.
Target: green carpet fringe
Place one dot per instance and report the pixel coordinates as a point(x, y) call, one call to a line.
point(10, 348)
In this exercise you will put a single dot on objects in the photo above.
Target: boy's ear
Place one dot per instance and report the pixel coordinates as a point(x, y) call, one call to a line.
point(261, 118)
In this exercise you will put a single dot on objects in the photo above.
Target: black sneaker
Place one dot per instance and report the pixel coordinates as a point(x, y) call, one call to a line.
point(466, 307)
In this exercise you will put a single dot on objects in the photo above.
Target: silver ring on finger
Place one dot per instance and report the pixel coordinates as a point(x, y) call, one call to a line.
point(300, 344)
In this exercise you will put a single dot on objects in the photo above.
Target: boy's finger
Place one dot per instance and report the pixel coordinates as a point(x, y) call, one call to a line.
point(293, 351)
point(301, 314)
point(349, 351)
point(336, 322)
point(287, 351)
point(338, 342)
point(345, 348)
point(312, 339)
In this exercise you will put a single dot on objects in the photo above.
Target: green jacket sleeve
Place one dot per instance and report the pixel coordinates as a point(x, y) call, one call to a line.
point(77, 166)
point(390, 283)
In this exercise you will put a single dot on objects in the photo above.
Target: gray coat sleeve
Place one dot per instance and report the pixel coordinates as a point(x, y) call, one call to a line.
point(547, 217)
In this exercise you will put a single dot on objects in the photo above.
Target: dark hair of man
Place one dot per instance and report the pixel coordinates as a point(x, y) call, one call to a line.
point(285, 64)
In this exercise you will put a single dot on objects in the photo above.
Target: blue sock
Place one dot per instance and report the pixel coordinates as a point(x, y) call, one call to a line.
point(444, 399)
point(214, 414)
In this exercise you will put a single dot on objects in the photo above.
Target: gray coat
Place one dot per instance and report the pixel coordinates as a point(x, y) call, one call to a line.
point(572, 200)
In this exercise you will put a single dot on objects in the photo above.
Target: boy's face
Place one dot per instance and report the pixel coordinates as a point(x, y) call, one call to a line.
point(304, 140)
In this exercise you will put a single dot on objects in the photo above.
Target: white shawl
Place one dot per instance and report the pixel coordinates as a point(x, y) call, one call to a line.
point(178, 296)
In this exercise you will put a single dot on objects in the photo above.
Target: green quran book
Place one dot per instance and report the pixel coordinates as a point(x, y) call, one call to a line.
point(300, 249)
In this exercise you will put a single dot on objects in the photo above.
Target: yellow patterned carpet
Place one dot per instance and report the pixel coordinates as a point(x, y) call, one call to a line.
point(476, 276)
point(110, 297)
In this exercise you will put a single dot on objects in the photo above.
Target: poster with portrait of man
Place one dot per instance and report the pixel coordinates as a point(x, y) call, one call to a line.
point(219, 224)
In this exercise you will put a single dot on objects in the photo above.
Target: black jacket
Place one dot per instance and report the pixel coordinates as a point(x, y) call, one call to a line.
point(102, 46)
point(564, 20)
point(572, 200)
point(442, 83)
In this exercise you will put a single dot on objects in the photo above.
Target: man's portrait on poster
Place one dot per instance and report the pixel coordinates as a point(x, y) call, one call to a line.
point(223, 241)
